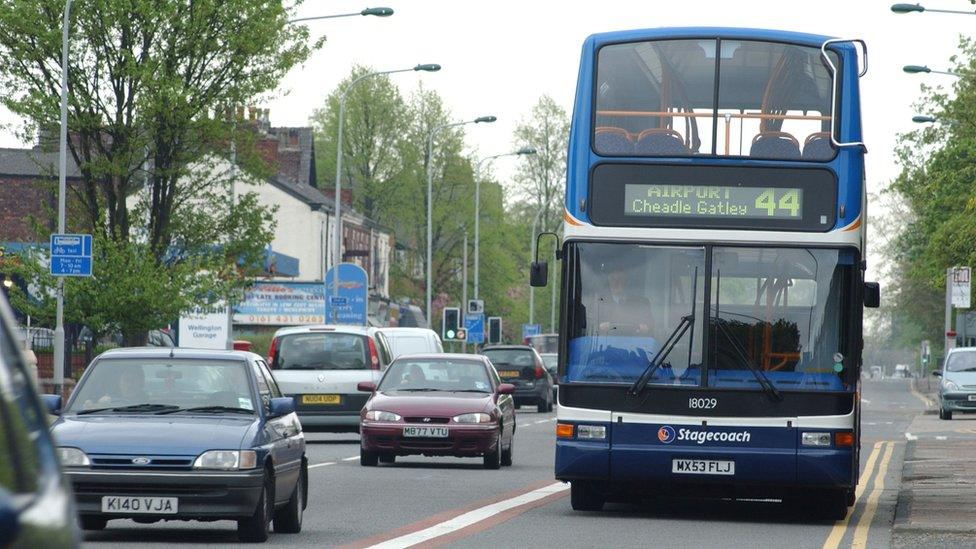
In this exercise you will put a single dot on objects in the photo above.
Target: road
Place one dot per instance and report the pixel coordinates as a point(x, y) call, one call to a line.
point(454, 502)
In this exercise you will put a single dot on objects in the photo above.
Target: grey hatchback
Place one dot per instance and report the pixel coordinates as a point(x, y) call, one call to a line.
point(36, 507)
point(957, 391)
point(522, 366)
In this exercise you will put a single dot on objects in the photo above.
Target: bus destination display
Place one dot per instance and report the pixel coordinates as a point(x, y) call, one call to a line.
point(712, 201)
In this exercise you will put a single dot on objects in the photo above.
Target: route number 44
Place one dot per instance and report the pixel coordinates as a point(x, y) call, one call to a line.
point(789, 202)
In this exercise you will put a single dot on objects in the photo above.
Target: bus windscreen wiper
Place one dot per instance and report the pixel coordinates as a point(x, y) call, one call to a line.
point(744, 358)
point(679, 331)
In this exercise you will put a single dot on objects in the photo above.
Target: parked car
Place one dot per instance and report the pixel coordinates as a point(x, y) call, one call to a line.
point(957, 391)
point(183, 434)
point(412, 341)
point(321, 366)
point(36, 507)
point(437, 405)
point(902, 371)
point(522, 366)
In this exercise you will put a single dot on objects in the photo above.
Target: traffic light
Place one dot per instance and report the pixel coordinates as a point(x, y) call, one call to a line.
point(451, 322)
point(494, 330)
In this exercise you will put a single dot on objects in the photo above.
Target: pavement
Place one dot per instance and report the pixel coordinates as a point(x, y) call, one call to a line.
point(937, 498)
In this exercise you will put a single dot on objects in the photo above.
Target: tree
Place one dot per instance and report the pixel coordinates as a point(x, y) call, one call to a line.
point(541, 178)
point(148, 84)
point(375, 117)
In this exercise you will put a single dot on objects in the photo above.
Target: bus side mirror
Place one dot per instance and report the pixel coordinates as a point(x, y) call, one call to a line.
point(539, 274)
point(872, 295)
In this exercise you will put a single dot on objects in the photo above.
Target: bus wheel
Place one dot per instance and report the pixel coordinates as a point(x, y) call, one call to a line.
point(586, 496)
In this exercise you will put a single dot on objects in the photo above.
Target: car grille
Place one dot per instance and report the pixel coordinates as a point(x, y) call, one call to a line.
point(161, 463)
point(969, 386)
point(427, 419)
point(426, 444)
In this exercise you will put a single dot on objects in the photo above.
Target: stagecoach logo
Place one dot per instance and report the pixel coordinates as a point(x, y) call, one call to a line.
point(141, 461)
point(426, 420)
point(666, 434)
point(321, 378)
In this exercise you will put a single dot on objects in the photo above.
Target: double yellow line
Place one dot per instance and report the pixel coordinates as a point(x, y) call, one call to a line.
point(881, 448)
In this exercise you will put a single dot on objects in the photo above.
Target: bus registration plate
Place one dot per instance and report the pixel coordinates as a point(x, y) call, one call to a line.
point(703, 466)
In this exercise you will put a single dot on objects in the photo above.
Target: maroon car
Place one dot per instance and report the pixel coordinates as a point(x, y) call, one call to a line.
point(438, 405)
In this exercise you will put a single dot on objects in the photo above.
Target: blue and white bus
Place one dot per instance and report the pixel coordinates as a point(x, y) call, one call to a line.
point(713, 268)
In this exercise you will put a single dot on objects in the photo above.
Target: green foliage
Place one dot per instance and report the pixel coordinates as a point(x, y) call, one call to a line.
point(149, 82)
point(932, 225)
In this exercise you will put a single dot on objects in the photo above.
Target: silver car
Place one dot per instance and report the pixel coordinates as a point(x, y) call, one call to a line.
point(957, 391)
point(321, 366)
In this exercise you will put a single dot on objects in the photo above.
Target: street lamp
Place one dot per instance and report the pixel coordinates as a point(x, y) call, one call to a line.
point(477, 205)
point(427, 67)
point(378, 12)
point(923, 119)
point(909, 8)
point(430, 197)
point(917, 69)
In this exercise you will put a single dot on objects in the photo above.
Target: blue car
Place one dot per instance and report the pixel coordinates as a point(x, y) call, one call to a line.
point(178, 434)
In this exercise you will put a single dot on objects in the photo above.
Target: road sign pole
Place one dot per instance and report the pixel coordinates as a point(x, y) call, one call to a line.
point(62, 176)
point(464, 284)
point(949, 340)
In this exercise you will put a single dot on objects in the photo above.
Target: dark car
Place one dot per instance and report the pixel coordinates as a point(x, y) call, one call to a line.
point(438, 405)
point(551, 362)
point(36, 509)
point(180, 434)
point(522, 366)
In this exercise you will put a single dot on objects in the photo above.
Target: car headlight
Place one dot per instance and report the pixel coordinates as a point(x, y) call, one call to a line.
point(949, 385)
point(73, 457)
point(227, 460)
point(472, 418)
point(380, 415)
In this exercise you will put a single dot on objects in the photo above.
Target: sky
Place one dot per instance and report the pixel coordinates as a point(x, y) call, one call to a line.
point(500, 56)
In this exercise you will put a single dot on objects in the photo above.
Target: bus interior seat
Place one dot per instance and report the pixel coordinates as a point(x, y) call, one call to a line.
point(817, 146)
point(775, 145)
point(661, 142)
point(610, 140)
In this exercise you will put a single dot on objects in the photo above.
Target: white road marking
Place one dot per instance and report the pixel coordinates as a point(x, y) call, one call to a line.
point(525, 425)
point(542, 421)
point(870, 423)
point(350, 458)
point(910, 436)
point(321, 464)
point(941, 438)
point(866, 401)
point(471, 517)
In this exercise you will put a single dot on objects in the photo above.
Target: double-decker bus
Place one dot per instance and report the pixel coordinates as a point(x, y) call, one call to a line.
point(713, 269)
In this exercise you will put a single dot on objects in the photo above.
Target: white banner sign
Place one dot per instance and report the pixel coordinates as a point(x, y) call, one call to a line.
point(960, 287)
point(204, 329)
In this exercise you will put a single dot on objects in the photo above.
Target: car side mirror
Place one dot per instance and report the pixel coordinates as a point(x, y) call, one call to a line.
point(872, 295)
point(539, 274)
point(281, 406)
point(506, 389)
point(937, 373)
point(9, 522)
point(366, 387)
point(53, 405)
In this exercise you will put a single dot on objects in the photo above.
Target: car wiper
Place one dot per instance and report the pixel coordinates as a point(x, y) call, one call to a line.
point(417, 390)
point(132, 408)
point(679, 331)
point(468, 391)
point(232, 409)
point(740, 353)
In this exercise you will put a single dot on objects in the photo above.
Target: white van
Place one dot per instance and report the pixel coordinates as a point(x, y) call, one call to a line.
point(412, 341)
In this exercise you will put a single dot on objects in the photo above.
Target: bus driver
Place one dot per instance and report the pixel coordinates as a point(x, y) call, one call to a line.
point(623, 312)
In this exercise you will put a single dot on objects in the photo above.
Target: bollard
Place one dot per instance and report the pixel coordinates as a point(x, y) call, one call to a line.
point(31, 360)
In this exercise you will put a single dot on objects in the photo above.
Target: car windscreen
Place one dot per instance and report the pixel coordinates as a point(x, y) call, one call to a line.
point(323, 351)
point(961, 362)
point(436, 375)
point(512, 363)
point(158, 384)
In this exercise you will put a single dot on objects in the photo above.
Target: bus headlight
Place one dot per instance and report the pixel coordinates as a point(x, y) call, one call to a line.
point(591, 431)
point(815, 439)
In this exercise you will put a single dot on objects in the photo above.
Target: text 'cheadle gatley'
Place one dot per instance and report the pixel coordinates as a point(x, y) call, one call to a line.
point(687, 200)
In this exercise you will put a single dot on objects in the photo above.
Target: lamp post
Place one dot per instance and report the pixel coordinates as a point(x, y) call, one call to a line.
point(477, 207)
point(62, 186)
point(378, 12)
point(909, 8)
point(428, 67)
point(922, 119)
point(918, 69)
point(430, 198)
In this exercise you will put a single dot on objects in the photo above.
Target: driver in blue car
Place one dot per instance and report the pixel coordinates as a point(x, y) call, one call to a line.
point(129, 390)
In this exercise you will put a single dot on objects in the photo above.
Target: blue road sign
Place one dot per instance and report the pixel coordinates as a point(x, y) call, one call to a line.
point(531, 330)
point(475, 324)
point(71, 254)
point(350, 307)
